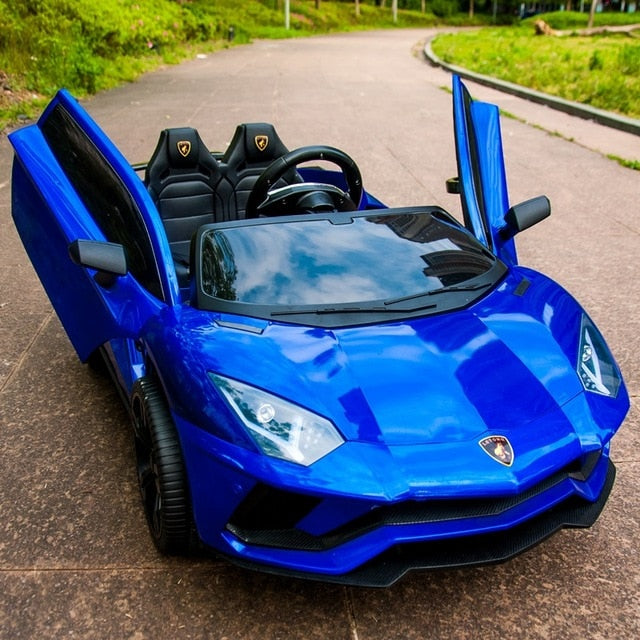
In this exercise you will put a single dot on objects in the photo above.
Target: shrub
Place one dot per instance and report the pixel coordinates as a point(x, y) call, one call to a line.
point(443, 8)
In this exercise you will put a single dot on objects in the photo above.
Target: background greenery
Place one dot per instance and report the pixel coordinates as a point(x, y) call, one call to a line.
point(91, 45)
point(601, 70)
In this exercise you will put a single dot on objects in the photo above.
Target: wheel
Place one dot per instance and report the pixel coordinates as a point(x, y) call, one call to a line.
point(313, 197)
point(161, 472)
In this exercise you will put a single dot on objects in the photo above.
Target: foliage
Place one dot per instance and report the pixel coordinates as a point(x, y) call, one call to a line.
point(87, 46)
point(567, 20)
point(629, 164)
point(602, 71)
point(443, 8)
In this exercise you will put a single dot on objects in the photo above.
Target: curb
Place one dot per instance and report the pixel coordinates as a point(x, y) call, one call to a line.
point(623, 123)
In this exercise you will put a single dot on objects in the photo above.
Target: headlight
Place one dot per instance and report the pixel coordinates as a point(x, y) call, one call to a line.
point(281, 429)
point(595, 362)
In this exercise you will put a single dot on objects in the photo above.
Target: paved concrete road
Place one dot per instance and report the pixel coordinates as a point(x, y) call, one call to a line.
point(75, 557)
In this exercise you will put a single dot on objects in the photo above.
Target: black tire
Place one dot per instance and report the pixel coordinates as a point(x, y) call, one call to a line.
point(161, 472)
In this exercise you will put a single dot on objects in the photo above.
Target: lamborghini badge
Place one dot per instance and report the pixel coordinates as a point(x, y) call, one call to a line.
point(499, 448)
point(261, 142)
point(184, 148)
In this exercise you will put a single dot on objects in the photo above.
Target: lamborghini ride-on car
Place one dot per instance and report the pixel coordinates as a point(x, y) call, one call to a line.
point(319, 385)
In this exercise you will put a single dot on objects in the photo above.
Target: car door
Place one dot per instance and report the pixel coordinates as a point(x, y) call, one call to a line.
point(70, 183)
point(481, 172)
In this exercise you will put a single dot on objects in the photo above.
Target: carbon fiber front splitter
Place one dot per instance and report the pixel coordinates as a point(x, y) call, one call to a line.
point(391, 565)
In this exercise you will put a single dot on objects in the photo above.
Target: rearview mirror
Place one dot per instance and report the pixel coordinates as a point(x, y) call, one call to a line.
point(107, 258)
point(524, 215)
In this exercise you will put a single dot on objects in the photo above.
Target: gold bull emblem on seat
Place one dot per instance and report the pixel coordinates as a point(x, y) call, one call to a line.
point(261, 142)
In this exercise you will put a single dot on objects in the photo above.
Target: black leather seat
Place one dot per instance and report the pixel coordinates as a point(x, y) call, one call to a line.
point(253, 147)
point(183, 177)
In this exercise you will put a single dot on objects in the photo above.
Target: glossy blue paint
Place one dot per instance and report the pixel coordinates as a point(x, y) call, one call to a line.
point(411, 397)
point(482, 174)
point(49, 215)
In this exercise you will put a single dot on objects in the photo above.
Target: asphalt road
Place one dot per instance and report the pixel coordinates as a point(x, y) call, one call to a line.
point(75, 557)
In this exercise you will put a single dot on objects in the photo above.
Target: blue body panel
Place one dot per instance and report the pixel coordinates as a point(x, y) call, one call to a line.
point(412, 399)
point(49, 215)
point(483, 181)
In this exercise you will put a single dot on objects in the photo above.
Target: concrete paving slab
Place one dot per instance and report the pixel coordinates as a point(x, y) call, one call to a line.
point(575, 584)
point(68, 469)
point(75, 559)
point(186, 602)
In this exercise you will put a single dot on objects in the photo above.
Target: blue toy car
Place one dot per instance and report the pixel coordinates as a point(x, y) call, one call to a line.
point(319, 385)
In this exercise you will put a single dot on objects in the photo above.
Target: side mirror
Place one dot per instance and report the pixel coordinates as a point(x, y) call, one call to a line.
point(107, 258)
point(453, 185)
point(524, 215)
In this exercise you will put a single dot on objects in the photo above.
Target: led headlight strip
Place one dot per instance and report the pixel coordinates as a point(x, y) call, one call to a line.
point(280, 428)
point(596, 367)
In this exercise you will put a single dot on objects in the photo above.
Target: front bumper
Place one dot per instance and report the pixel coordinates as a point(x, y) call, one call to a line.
point(484, 548)
point(302, 528)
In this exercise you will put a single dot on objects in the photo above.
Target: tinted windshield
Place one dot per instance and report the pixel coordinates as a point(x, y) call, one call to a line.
point(316, 261)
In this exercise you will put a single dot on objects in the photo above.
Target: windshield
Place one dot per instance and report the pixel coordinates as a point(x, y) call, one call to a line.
point(323, 262)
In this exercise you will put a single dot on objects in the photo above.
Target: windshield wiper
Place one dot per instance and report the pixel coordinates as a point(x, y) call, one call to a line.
point(387, 303)
point(337, 310)
point(432, 292)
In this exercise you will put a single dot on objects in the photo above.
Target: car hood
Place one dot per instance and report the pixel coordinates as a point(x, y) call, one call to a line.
point(491, 368)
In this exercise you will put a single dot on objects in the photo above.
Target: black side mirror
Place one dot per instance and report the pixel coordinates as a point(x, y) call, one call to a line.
point(107, 258)
point(524, 215)
point(453, 185)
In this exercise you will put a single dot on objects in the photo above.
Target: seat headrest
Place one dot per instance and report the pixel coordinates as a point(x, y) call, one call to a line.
point(183, 147)
point(254, 143)
point(179, 151)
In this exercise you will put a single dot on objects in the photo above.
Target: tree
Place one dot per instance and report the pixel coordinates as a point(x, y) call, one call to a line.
point(594, 4)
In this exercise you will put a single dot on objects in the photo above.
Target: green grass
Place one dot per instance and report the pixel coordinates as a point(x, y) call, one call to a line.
point(567, 20)
point(629, 164)
point(602, 71)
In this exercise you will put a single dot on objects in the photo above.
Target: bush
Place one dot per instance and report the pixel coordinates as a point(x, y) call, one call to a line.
point(443, 8)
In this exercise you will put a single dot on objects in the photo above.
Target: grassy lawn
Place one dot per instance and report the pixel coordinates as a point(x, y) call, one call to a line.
point(602, 71)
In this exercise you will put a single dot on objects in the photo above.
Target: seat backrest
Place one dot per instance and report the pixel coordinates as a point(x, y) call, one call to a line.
point(181, 178)
point(253, 147)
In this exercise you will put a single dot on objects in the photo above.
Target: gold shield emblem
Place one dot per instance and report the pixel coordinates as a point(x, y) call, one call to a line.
point(184, 148)
point(499, 448)
point(262, 142)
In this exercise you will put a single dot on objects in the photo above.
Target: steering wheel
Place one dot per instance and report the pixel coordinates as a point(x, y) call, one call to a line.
point(306, 196)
